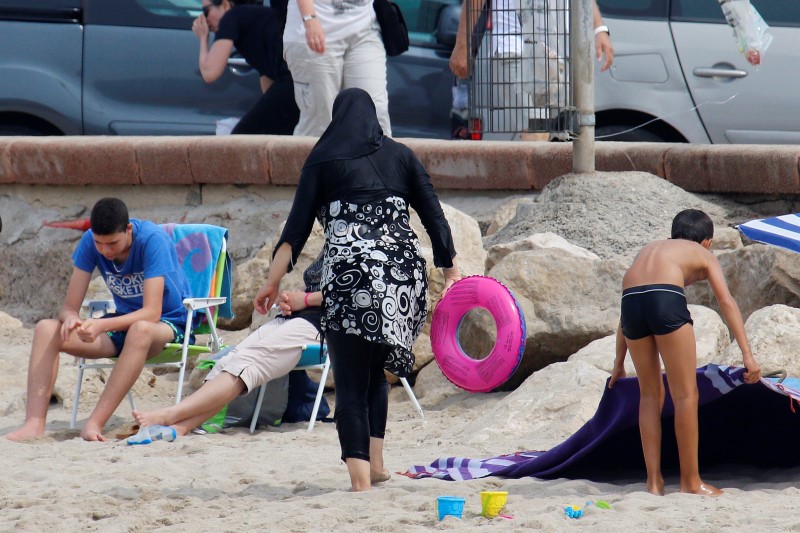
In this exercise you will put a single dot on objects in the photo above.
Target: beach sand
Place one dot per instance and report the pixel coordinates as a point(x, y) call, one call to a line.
point(286, 479)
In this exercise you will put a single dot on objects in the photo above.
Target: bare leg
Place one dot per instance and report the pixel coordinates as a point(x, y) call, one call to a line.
point(197, 408)
point(359, 474)
point(42, 373)
point(678, 350)
point(651, 391)
point(377, 473)
point(144, 339)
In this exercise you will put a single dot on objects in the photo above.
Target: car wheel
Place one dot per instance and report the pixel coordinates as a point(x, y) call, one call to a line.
point(626, 133)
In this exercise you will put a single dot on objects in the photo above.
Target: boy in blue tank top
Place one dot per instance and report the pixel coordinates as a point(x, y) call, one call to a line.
point(139, 264)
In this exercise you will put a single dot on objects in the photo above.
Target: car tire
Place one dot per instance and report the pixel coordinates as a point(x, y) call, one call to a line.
point(626, 133)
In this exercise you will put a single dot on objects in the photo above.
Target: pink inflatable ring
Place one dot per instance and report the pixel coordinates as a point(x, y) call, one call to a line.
point(478, 375)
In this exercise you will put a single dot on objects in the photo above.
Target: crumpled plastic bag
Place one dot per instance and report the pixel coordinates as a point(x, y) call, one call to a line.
point(751, 32)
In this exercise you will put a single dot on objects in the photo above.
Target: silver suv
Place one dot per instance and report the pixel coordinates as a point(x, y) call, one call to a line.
point(677, 61)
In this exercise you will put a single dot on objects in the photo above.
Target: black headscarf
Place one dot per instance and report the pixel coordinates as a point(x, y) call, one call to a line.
point(353, 132)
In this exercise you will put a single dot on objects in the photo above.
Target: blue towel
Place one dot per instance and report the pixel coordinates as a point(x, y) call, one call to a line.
point(199, 247)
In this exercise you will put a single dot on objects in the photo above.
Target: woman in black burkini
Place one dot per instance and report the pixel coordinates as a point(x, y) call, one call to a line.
point(359, 184)
point(257, 33)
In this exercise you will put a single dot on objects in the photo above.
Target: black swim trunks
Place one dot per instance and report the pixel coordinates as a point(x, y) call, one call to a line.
point(653, 310)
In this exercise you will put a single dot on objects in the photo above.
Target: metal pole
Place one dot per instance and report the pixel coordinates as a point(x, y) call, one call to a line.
point(581, 41)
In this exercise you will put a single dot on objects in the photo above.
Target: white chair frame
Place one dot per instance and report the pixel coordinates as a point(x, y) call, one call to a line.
point(325, 366)
point(191, 305)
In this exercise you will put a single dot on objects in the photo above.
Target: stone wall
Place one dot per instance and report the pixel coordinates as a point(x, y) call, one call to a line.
point(465, 165)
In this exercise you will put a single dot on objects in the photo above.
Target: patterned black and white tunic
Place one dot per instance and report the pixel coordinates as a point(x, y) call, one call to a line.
point(374, 281)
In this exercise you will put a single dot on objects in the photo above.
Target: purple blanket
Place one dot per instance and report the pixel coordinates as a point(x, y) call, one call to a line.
point(739, 424)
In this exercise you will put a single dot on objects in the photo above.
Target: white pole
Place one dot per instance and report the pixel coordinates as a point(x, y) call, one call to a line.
point(581, 37)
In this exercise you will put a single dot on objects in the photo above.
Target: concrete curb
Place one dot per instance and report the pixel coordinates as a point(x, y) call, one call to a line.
point(485, 165)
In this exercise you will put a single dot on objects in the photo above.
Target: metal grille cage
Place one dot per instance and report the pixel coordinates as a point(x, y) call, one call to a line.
point(519, 75)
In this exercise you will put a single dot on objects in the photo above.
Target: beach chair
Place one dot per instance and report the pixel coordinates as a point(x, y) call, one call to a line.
point(202, 253)
point(313, 357)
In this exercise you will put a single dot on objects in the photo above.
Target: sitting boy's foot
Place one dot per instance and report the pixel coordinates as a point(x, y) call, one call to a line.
point(26, 432)
point(704, 489)
point(91, 432)
point(379, 477)
point(151, 418)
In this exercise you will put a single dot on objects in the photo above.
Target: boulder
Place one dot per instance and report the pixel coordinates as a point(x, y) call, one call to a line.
point(758, 276)
point(568, 301)
point(505, 213)
point(471, 256)
point(774, 334)
point(612, 214)
point(726, 239)
point(539, 241)
point(547, 408)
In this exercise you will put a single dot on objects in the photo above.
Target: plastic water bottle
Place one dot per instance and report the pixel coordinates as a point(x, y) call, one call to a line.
point(149, 434)
point(461, 94)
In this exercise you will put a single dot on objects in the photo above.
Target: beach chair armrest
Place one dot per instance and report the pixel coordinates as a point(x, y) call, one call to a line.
point(193, 304)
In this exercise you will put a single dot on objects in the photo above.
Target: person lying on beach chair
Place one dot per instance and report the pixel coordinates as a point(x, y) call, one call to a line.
point(655, 320)
point(140, 266)
point(271, 351)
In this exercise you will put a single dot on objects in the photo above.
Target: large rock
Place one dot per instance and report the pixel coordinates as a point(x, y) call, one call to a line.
point(758, 276)
point(505, 213)
point(774, 334)
point(539, 241)
point(712, 339)
point(548, 407)
point(568, 301)
point(612, 214)
point(471, 256)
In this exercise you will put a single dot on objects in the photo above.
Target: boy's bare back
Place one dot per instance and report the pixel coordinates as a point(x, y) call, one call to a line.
point(673, 261)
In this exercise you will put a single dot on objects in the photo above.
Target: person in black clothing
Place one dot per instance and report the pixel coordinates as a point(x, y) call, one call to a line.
point(360, 185)
point(256, 32)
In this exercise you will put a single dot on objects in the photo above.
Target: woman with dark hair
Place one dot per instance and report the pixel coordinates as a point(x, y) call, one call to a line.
point(360, 184)
point(256, 33)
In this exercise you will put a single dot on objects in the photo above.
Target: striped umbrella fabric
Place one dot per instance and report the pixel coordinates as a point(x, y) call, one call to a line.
point(783, 231)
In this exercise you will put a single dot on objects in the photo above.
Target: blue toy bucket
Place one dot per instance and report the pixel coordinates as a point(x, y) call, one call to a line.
point(449, 505)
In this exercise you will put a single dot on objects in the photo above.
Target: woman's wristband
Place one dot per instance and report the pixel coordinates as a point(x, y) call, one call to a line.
point(601, 29)
point(305, 299)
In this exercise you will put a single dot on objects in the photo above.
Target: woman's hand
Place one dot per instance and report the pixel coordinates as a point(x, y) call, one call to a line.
point(451, 275)
point(265, 297)
point(315, 36)
point(291, 301)
point(200, 27)
point(603, 47)
point(753, 373)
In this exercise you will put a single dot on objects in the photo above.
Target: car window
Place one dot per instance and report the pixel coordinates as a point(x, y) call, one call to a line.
point(175, 14)
point(640, 9)
point(172, 8)
point(421, 17)
point(775, 12)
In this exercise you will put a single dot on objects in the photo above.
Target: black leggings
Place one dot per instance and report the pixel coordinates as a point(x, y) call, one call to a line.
point(362, 392)
point(275, 113)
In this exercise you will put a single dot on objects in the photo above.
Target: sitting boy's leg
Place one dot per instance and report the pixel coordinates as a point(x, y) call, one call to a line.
point(651, 390)
point(197, 408)
point(680, 361)
point(144, 340)
point(43, 370)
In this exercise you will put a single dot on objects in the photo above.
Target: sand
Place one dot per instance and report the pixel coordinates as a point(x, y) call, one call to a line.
point(286, 479)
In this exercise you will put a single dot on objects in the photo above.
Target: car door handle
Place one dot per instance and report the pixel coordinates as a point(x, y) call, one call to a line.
point(237, 62)
point(713, 72)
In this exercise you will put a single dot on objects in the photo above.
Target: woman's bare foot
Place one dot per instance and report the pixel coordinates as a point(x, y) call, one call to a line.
point(656, 487)
point(152, 418)
point(704, 489)
point(26, 432)
point(379, 477)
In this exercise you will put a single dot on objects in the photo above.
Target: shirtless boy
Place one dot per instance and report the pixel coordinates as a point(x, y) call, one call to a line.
point(655, 320)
